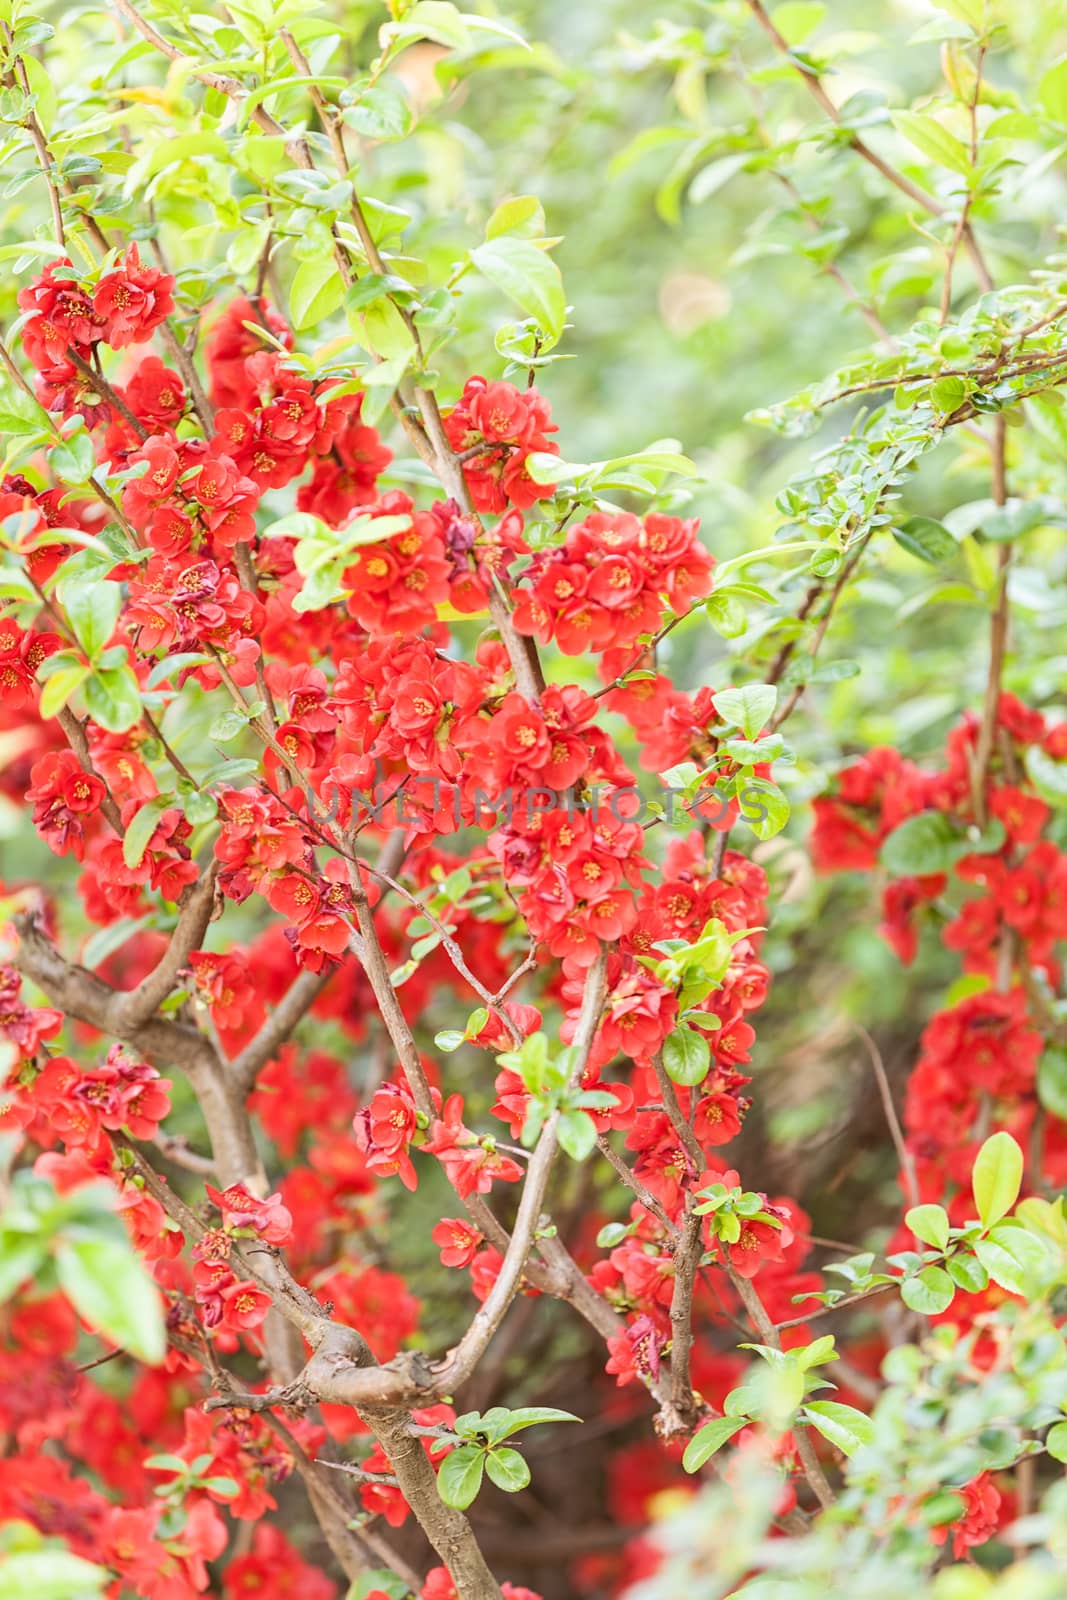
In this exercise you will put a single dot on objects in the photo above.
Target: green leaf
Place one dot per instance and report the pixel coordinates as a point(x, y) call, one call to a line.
point(1010, 521)
point(228, 726)
point(111, 1290)
point(1056, 1441)
point(73, 459)
point(438, 20)
point(1049, 777)
point(381, 112)
point(1020, 1260)
point(845, 1427)
point(508, 1470)
point(797, 19)
point(948, 394)
point(967, 1273)
point(316, 292)
point(997, 1177)
point(1052, 91)
point(763, 807)
point(50, 1575)
point(935, 141)
point(140, 828)
point(921, 846)
point(686, 1056)
point(1052, 1080)
point(726, 614)
point(460, 1476)
point(59, 688)
point(930, 1224)
point(21, 1256)
point(113, 699)
point(576, 1132)
point(20, 415)
point(200, 806)
point(927, 539)
point(527, 276)
point(522, 214)
point(92, 611)
point(523, 1417)
point(711, 1437)
point(749, 709)
point(931, 1291)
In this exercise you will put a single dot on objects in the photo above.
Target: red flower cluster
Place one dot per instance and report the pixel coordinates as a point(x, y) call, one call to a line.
point(268, 1219)
point(64, 796)
point(501, 427)
point(125, 308)
point(83, 1105)
point(21, 653)
point(576, 873)
point(612, 580)
point(384, 1132)
point(981, 1054)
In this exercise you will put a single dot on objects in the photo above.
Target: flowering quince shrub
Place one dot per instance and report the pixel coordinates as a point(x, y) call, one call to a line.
point(391, 916)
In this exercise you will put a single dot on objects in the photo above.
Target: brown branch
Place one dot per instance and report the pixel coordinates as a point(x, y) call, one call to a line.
point(37, 138)
point(998, 639)
point(960, 229)
point(195, 911)
point(633, 1182)
point(904, 1156)
point(678, 1121)
point(447, 1530)
point(99, 384)
point(787, 708)
point(294, 1004)
point(183, 359)
point(684, 1410)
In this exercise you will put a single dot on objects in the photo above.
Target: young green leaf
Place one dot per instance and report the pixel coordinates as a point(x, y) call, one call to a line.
point(507, 1469)
point(749, 709)
point(112, 1291)
point(460, 1476)
point(930, 1292)
point(930, 1224)
point(997, 1177)
point(845, 1427)
point(142, 825)
point(686, 1056)
point(711, 1437)
point(576, 1132)
point(526, 275)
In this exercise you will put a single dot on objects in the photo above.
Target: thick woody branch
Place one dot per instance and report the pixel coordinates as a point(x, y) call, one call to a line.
point(683, 1407)
point(448, 1531)
point(294, 1004)
point(195, 912)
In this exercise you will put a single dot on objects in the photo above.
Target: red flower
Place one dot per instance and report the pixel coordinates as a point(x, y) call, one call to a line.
point(244, 1305)
point(979, 1520)
point(241, 1209)
point(132, 301)
point(458, 1241)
